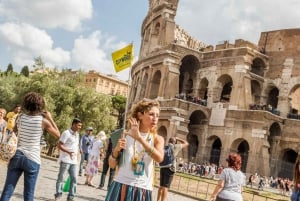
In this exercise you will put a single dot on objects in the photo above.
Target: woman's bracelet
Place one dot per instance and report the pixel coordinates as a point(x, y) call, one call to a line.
point(150, 152)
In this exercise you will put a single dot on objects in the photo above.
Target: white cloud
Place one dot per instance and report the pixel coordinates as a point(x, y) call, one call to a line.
point(65, 14)
point(27, 42)
point(89, 52)
point(236, 19)
point(28, 24)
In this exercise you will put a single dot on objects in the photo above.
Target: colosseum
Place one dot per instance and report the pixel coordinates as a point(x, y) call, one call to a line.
point(241, 97)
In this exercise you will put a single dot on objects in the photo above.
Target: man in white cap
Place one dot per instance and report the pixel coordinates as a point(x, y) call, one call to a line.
point(85, 147)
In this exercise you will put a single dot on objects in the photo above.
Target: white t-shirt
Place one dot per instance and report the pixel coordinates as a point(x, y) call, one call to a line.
point(233, 182)
point(70, 139)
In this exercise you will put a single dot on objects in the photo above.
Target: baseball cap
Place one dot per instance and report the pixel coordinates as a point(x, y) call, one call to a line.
point(89, 128)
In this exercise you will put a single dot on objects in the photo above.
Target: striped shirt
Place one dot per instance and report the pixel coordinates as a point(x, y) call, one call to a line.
point(29, 135)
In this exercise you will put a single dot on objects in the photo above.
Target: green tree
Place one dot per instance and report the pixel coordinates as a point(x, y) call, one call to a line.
point(65, 99)
point(25, 71)
point(9, 69)
point(10, 86)
point(119, 104)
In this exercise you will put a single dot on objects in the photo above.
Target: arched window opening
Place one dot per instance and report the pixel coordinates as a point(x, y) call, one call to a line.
point(193, 147)
point(287, 164)
point(157, 28)
point(155, 84)
point(215, 152)
point(255, 92)
point(258, 67)
point(294, 100)
point(273, 98)
point(162, 131)
point(243, 150)
point(189, 65)
point(225, 95)
point(274, 130)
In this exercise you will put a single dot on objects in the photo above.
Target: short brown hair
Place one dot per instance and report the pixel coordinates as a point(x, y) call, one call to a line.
point(33, 102)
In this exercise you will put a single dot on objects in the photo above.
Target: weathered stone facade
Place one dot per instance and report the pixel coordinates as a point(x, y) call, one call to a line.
point(232, 97)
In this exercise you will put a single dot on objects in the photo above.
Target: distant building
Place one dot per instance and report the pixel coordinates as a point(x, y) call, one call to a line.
point(106, 84)
point(232, 97)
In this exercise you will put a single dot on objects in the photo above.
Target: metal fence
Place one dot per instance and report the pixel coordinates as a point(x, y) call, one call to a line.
point(201, 188)
point(254, 163)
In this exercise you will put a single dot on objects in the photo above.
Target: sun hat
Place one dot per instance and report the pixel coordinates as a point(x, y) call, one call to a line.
point(101, 135)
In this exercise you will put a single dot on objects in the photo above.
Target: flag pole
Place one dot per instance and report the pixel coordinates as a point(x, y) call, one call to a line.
point(128, 88)
point(126, 105)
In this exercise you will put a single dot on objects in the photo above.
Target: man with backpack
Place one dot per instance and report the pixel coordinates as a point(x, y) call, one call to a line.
point(168, 165)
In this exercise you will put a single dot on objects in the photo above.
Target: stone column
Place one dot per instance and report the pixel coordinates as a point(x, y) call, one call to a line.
point(283, 105)
point(283, 102)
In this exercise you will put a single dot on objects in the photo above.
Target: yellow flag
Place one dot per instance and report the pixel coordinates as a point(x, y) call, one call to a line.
point(122, 58)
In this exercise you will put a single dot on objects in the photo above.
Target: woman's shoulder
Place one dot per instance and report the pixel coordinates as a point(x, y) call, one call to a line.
point(159, 139)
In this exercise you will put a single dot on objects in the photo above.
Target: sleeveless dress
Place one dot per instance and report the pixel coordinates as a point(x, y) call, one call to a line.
point(128, 184)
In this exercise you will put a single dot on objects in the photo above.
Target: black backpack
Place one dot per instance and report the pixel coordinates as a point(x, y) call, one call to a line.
point(168, 156)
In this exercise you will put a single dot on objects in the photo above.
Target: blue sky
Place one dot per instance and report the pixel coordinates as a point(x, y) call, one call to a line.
point(81, 34)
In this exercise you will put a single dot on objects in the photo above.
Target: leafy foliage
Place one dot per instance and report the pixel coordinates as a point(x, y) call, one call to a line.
point(25, 71)
point(9, 69)
point(64, 97)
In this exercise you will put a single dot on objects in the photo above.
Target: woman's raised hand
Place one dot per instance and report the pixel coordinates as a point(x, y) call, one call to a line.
point(134, 129)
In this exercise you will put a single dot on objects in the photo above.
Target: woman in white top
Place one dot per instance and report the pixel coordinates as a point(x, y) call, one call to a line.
point(92, 166)
point(29, 127)
point(141, 147)
point(232, 180)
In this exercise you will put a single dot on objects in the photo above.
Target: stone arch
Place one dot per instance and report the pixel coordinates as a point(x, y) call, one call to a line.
point(287, 162)
point(197, 120)
point(215, 151)
point(273, 139)
point(242, 147)
point(193, 146)
point(256, 90)
point(155, 84)
point(144, 85)
point(198, 117)
point(203, 88)
point(162, 131)
point(294, 97)
point(156, 29)
point(275, 131)
point(272, 99)
point(189, 65)
point(258, 67)
point(224, 85)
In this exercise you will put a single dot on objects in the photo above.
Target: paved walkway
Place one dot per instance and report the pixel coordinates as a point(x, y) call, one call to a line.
point(45, 188)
